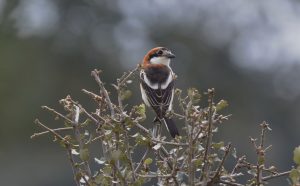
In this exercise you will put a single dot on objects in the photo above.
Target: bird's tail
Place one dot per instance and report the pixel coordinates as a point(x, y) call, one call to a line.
point(171, 127)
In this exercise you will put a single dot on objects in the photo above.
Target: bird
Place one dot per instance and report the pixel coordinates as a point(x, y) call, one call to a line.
point(157, 85)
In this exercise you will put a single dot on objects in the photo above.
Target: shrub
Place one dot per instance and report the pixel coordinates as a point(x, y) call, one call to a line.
point(194, 158)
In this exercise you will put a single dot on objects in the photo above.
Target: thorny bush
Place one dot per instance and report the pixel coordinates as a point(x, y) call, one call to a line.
point(193, 158)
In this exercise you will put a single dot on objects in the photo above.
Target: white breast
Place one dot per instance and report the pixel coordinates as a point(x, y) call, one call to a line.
point(160, 60)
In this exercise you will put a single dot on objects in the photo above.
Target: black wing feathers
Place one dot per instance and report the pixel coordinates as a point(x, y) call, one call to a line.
point(159, 99)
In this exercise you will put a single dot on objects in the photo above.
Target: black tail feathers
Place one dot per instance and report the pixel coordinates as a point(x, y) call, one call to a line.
point(171, 127)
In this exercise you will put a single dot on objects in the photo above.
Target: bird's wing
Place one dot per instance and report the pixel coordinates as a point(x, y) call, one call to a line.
point(159, 99)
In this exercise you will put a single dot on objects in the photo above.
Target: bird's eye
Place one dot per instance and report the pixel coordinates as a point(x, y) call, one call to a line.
point(160, 52)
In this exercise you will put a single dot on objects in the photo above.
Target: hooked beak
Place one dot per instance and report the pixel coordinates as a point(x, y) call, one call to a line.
point(170, 55)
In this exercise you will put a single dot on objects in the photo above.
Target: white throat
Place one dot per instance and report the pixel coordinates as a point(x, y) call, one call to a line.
point(160, 60)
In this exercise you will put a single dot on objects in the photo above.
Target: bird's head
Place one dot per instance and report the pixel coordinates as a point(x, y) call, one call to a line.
point(158, 55)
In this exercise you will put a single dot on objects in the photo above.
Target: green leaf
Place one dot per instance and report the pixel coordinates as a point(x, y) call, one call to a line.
point(218, 145)
point(221, 105)
point(128, 121)
point(194, 95)
point(115, 155)
point(261, 160)
point(86, 122)
point(148, 161)
point(141, 110)
point(294, 175)
point(141, 140)
point(84, 154)
point(297, 155)
point(157, 146)
point(126, 94)
point(197, 162)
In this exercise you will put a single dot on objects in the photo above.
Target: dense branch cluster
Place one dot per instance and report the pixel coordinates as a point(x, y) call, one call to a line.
point(193, 158)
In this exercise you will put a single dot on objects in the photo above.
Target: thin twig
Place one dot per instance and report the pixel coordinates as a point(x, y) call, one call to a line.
point(68, 146)
point(45, 132)
point(95, 74)
point(142, 128)
point(87, 114)
point(92, 95)
point(169, 143)
point(52, 131)
point(79, 139)
point(155, 176)
point(219, 169)
point(57, 113)
point(260, 154)
point(73, 164)
point(123, 81)
point(230, 183)
point(276, 175)
point(142, 160)
point(209, 135)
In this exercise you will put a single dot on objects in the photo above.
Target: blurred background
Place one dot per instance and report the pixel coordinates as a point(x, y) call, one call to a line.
point(249, 51)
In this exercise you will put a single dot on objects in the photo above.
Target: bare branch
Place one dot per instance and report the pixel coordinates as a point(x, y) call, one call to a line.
point(142, 160)
point(95, 74)
point(45, 132)
point(276, 175)
point(52, 131)
point(57, 114)
point(205, 169)
point(79, 139)
point(219, 169)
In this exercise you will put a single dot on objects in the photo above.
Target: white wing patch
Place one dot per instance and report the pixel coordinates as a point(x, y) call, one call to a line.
point(144, 96)
point(147, 81)
point(166, 84)
point(171, 102)
point(155, 85)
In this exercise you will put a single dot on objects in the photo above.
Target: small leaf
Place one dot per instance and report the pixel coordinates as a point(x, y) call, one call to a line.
point(197, 162)
point(135, 135)
point(148, 161)
point(84, 154)
point(128, 121)
point(233, 153)
point(221, 105)
point(107, 132)
point(83, 180)
point(74, 152)
point(218, 145)
point(215, 130)
point(157, 146)
point(98, 179)
point(141, 110)
point(100, 161)
point(297, 155)
point(194, 95)
point(200, 148)
point(261, 160)
point(294, 175)
point(126, 94)
point(252, 172)
point(115, 155)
